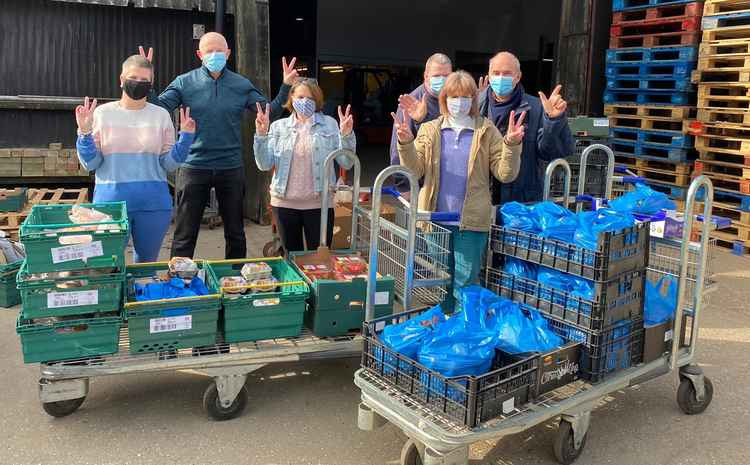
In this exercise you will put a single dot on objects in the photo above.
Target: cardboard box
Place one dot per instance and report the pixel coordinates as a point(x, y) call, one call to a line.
point(342, 224)
point(657, 340)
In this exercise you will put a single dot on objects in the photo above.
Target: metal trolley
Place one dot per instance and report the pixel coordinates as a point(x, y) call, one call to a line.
point(64, 385)
point(434, 439)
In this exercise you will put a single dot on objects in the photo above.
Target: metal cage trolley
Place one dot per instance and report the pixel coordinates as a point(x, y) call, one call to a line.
point(437, 438)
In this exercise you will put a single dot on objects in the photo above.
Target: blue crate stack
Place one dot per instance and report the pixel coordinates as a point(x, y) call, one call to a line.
point(650, 97)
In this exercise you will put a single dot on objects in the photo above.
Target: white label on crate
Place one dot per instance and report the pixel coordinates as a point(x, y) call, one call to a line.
point(72, 299)
point(601, 123)
point(379, 326)
point(668, 335)
point(509, 405)
point(266, 302)
point(382, 298)
point(83, 252)
point(172, 323)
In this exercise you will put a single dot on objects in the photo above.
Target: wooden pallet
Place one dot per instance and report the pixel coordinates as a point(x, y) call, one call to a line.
point(722, 168)
point(11, 222)
point(654, 13)
point(635, 163)
point(664, 177)
point(724, 48)
point(731, 184)
point(58, 196)
point(738, 217)
point(735, 141)
point(719, 7)
point(648, 123)
point(726, 33)
point(724, 115)
point(735, 96)
point(718, 76)
point(656, 40)
point(651, 111)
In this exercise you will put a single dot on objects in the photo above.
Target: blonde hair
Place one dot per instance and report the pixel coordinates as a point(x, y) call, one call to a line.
point(315, 91)
point(462, 84)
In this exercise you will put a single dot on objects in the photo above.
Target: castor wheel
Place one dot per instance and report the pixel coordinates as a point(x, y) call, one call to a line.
point(565, 448)
point(273, 249)
point(687, 397)
point(62, 408)
point(212, 404)
point(410, 454)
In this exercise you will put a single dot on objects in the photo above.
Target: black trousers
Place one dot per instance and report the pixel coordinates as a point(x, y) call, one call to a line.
point(193, 192)
point(292, 223)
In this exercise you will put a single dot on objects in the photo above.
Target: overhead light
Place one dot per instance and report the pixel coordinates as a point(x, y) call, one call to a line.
point(330, 67)
point(302, 69)
point(548, 59)
point(299, 18)
point(336, 70)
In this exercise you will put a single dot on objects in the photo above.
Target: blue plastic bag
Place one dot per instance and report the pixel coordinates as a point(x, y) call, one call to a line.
point(591, 224)
point(406, 338)
point(520, 331)
point(660, 301)
point(521, 269)
point(172, 289)
point(518, 216)
point(643, 200)
point(555, 222)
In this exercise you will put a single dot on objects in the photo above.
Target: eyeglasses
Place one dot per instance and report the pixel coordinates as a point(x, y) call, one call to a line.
point(305, 80)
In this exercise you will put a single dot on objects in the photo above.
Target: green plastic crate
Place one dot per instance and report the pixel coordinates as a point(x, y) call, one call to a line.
point(48, 297)
point(338, 307)
point(13, 200)
point(48, 248)
point(69, 340)
point(168, 324)
point(9, 294)
point(261, 315)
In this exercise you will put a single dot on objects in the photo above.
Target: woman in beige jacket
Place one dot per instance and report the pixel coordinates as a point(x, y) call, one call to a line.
point(454, 156)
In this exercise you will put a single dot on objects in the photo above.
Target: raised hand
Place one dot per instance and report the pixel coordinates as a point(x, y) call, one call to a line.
point(416, 109)
point(187, 124)
point(403, 127)
point(346, 121)
point(555, 105)
point(516, 130)
point(262, 119)
point(149, 56)
point(290, 74)
point(85, 115)
point(483, 83)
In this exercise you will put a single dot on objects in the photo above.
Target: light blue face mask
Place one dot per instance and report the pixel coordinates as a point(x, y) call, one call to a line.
point(215, 61)
point(437, 83)
point(501, 85)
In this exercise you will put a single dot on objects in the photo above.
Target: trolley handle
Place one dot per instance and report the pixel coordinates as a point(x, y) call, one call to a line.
point(619, 169)
point(392, 191)
point(445, 216)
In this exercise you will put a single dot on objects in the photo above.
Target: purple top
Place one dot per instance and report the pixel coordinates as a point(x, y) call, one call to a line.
point(454, 168)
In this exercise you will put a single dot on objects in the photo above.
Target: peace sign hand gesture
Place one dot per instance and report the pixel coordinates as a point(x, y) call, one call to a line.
point(403, 127)
point(483, 83)
point(516, 130)
point(554, 106)
point(346, 121)
point(416, 109)
point(290, 74)
point(187, 124)
point(149, 56)
point(85, 116)
point(262, 119)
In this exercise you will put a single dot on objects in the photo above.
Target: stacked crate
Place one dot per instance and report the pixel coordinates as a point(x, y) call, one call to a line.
point(15, 204)
point(723, 126)
point(649, 96)
point(71, 283)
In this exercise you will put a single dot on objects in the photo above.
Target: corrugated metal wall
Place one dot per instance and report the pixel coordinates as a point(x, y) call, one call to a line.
point(65, 49)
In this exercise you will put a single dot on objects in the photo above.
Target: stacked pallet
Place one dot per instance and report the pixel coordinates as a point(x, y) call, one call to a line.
point(650, 96)
point(723, 127)
point(11, 221)
point(52, 161)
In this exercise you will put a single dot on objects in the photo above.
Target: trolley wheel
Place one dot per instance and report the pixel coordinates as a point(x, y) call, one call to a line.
point(410, 454)
point(273, 249)
point(62, 408)
point(686, 396)
point(212, 404)
point(565, 448)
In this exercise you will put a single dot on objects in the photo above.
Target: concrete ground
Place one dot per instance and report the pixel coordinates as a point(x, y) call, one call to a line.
point(306, 413)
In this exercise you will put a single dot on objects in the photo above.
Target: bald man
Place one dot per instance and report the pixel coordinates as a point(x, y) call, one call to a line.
point(217, 98)
point(547, 134)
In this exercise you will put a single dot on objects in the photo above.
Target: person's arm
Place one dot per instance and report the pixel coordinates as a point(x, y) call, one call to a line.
point(347, 139)
point(412, 154)
point(170, 99)
point(174, 154)
point(505, 159)
point(554, 139)
point(276, 105)
point(88, 144)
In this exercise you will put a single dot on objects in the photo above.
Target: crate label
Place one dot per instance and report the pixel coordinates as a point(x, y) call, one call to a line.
point(266, 302)
point(379, 326)
point(172, 323)
point(601, 122)
point(668, 335)
point(382, 298)
point(72, 299)
point(83, 252)
point(564, 369)
point(509, 405)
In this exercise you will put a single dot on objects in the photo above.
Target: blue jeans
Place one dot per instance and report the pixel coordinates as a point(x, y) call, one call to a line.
point(465, 262)
point(148, 228)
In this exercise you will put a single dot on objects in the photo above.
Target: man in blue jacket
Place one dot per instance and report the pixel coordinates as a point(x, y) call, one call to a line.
point(547, 133)
point(422, 103)
point(217, 98)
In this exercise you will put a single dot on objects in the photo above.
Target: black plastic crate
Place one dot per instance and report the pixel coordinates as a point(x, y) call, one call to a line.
point(616, 253)
point(558, 368)
point(469, 400)
point(604, 352)
point(615, 300)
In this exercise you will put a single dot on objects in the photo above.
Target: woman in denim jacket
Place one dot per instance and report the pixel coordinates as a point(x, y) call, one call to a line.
point(296, 147)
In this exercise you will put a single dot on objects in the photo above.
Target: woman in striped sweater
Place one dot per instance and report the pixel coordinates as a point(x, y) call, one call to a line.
point(130, 144)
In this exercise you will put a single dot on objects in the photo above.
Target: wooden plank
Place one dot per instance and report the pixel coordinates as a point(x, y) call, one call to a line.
point(726, 33)
point(717, 7)
point(724, 115)
point(651, 111)
point(644, 122)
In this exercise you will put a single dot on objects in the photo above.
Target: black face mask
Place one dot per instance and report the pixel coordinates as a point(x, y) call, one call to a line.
point(136, 89)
